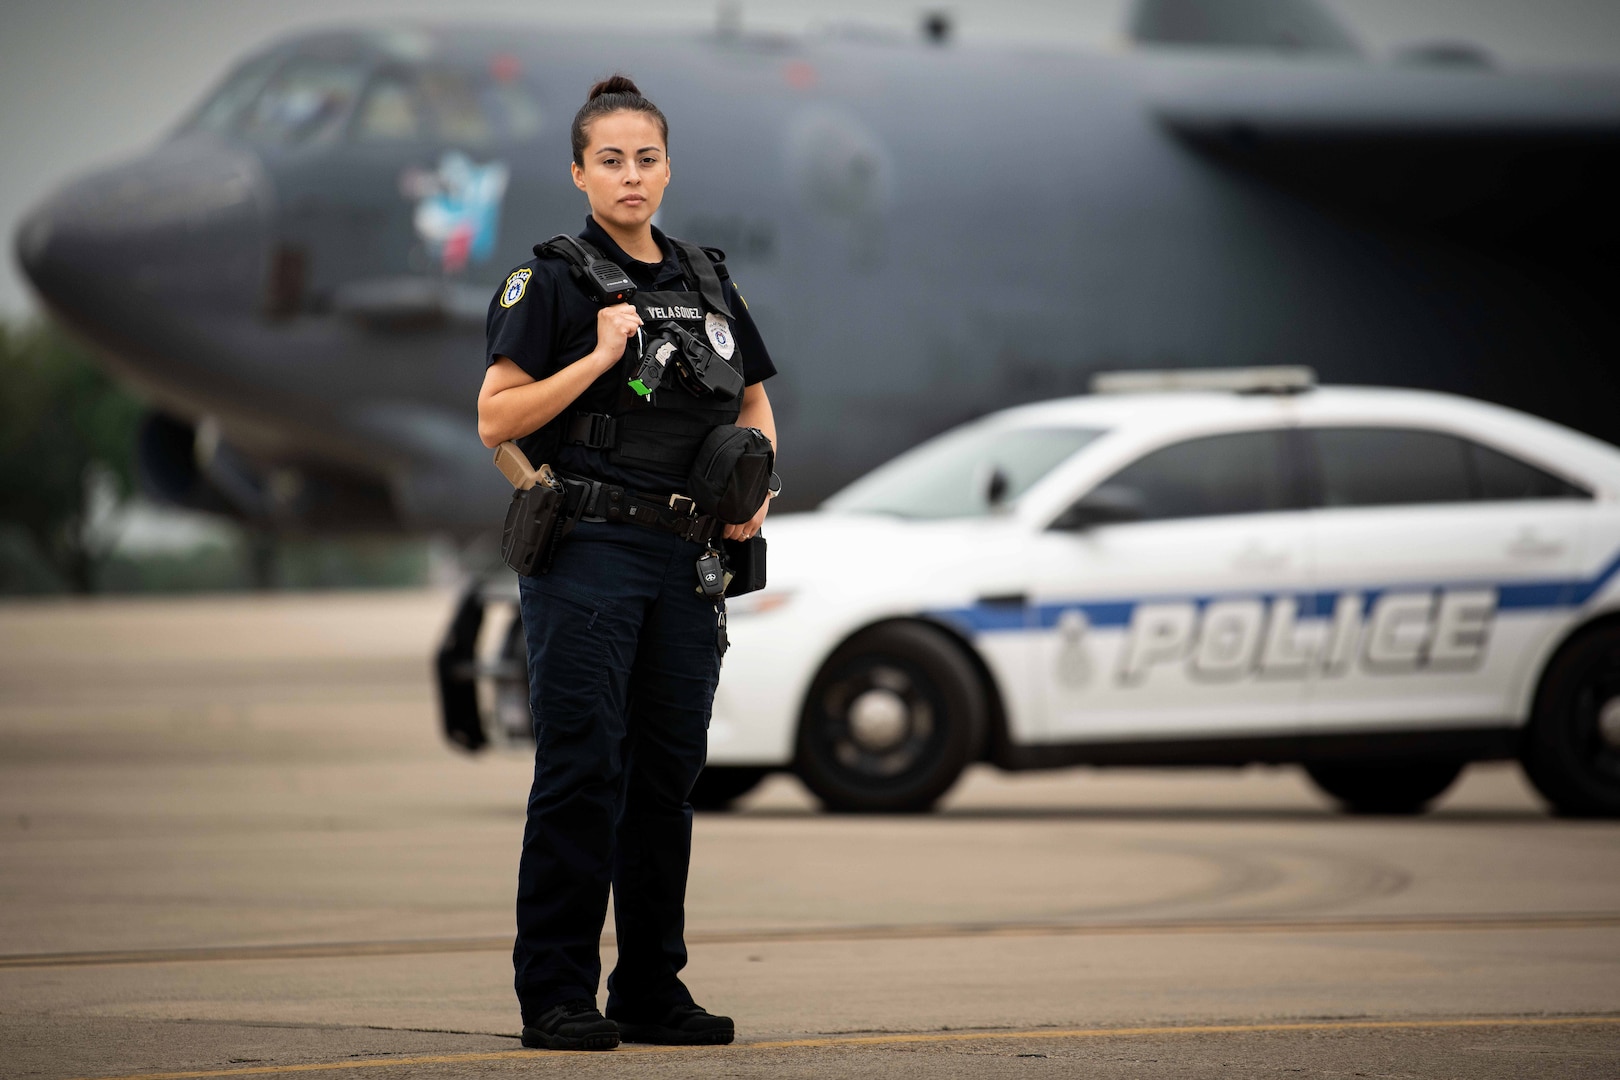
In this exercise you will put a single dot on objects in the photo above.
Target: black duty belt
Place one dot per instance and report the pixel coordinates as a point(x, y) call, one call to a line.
point(595, 500)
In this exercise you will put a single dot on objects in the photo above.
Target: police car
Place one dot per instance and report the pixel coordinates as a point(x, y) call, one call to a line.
point(1195, 568)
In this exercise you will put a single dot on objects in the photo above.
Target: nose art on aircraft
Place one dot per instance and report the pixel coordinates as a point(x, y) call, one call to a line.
point(121, 252)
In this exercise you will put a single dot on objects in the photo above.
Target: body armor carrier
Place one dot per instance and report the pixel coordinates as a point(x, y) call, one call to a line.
point(660, 429)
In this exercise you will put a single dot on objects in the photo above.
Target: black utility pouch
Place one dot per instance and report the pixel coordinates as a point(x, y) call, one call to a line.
point(535, 522)
point(732, 474)
point(745, 561)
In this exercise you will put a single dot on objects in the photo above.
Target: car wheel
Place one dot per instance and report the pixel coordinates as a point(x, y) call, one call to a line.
point(891, 721)
point(1571, 749)
point(718, 786)
point(1385, 787)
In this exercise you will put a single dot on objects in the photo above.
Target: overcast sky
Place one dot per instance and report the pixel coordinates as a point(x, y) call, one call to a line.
point(84, 82)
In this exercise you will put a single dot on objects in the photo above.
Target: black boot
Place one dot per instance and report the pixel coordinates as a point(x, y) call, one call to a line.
point(573, 1025)
point(684, 1025)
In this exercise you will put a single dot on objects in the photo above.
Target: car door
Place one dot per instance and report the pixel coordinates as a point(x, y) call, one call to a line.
point(1442, 565)
point(1177, 624)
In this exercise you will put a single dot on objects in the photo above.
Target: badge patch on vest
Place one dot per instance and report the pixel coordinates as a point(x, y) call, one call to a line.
point(719, 330)
point(515, 286)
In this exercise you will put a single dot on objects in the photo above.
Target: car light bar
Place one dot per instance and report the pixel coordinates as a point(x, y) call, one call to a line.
point(1255, 380)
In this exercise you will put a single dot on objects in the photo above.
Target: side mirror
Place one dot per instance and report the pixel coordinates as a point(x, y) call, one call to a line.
point(1106, 505)
point(995, 487)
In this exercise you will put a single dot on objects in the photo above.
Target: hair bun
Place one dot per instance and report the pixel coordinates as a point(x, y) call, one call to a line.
point(613, 84)
point(616, 93)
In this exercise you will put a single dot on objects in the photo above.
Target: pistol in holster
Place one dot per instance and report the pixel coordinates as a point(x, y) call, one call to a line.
point(537, 518)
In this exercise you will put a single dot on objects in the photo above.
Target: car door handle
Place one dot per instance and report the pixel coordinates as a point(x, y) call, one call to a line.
point(1531, 545)
point(1260, 557)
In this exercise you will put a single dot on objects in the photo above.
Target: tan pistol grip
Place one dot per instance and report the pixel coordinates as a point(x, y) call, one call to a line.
point(514, 465)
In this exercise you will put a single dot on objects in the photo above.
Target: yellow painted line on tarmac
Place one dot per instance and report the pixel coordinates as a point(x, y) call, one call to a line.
point(316, 950)
point(334, 1066)
point(831, 1041)
point(880, 932)
point(1015, 928)
point(1203, 1029)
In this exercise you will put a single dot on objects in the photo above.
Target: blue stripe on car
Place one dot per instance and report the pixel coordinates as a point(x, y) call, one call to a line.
point(1519, 596)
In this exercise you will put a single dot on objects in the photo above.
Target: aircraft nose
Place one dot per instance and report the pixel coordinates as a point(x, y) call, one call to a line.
point(33, 242)
point(117, 252)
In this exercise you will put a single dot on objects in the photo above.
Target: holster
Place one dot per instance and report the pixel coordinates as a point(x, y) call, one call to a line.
point(536, 521)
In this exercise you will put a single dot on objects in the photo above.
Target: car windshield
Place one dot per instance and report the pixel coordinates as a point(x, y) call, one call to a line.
point(969, 472)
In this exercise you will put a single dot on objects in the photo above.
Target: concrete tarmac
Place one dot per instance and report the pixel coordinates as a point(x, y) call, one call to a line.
point(233, 843)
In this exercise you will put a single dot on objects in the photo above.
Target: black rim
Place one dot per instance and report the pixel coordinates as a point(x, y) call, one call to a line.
point(1597, 718)
point(880, 720)
point(511, 686)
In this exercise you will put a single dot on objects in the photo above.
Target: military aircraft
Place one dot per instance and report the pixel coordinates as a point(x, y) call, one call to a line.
point(925, 230)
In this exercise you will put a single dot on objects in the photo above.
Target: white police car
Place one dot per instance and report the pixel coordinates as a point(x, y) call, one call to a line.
point(1382, 585)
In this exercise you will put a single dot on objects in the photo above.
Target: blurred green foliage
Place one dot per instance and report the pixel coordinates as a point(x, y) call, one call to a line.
point(67, 461)
point(60, 416)
point(250, 561)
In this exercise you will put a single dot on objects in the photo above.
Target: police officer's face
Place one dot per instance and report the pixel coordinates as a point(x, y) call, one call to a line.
point(626, 168)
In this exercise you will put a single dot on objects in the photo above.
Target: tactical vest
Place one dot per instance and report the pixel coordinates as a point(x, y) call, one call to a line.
point(663, 430)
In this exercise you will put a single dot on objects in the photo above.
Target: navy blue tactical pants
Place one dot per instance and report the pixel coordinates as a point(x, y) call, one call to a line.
point(623, 659)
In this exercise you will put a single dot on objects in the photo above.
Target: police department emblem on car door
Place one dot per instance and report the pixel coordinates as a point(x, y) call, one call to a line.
point(1073, 667)
point(515, 285)
point(719, 330)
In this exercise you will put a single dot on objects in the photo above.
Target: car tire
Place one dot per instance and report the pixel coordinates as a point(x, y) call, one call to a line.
point(893, 718)
point(1571, 749)
point(718, 786)
point(1385, 787)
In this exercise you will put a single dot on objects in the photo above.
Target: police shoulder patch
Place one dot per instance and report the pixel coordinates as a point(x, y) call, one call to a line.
point(516, 285)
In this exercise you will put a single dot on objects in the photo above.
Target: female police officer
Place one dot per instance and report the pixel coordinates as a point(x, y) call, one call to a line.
point(624, 650)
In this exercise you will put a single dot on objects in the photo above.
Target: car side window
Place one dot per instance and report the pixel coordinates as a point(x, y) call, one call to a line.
point(1388, 466)
point(1500, 477)
point(1240, 473)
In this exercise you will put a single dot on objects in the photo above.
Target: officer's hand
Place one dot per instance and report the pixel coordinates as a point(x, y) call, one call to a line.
point(614, 326)
point(747, 529)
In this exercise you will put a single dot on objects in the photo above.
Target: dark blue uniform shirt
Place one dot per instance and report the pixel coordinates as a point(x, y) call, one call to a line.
point(552, 323)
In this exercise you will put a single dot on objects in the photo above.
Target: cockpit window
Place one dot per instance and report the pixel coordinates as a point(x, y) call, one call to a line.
point(221, 111)
point(454, 106)
point(970, 472)
point(465, 110)
point(306, 101)
point(512, 107)
point(388, 113)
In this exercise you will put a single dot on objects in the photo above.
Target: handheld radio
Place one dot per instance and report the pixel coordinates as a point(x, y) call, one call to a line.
point(605, 282)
